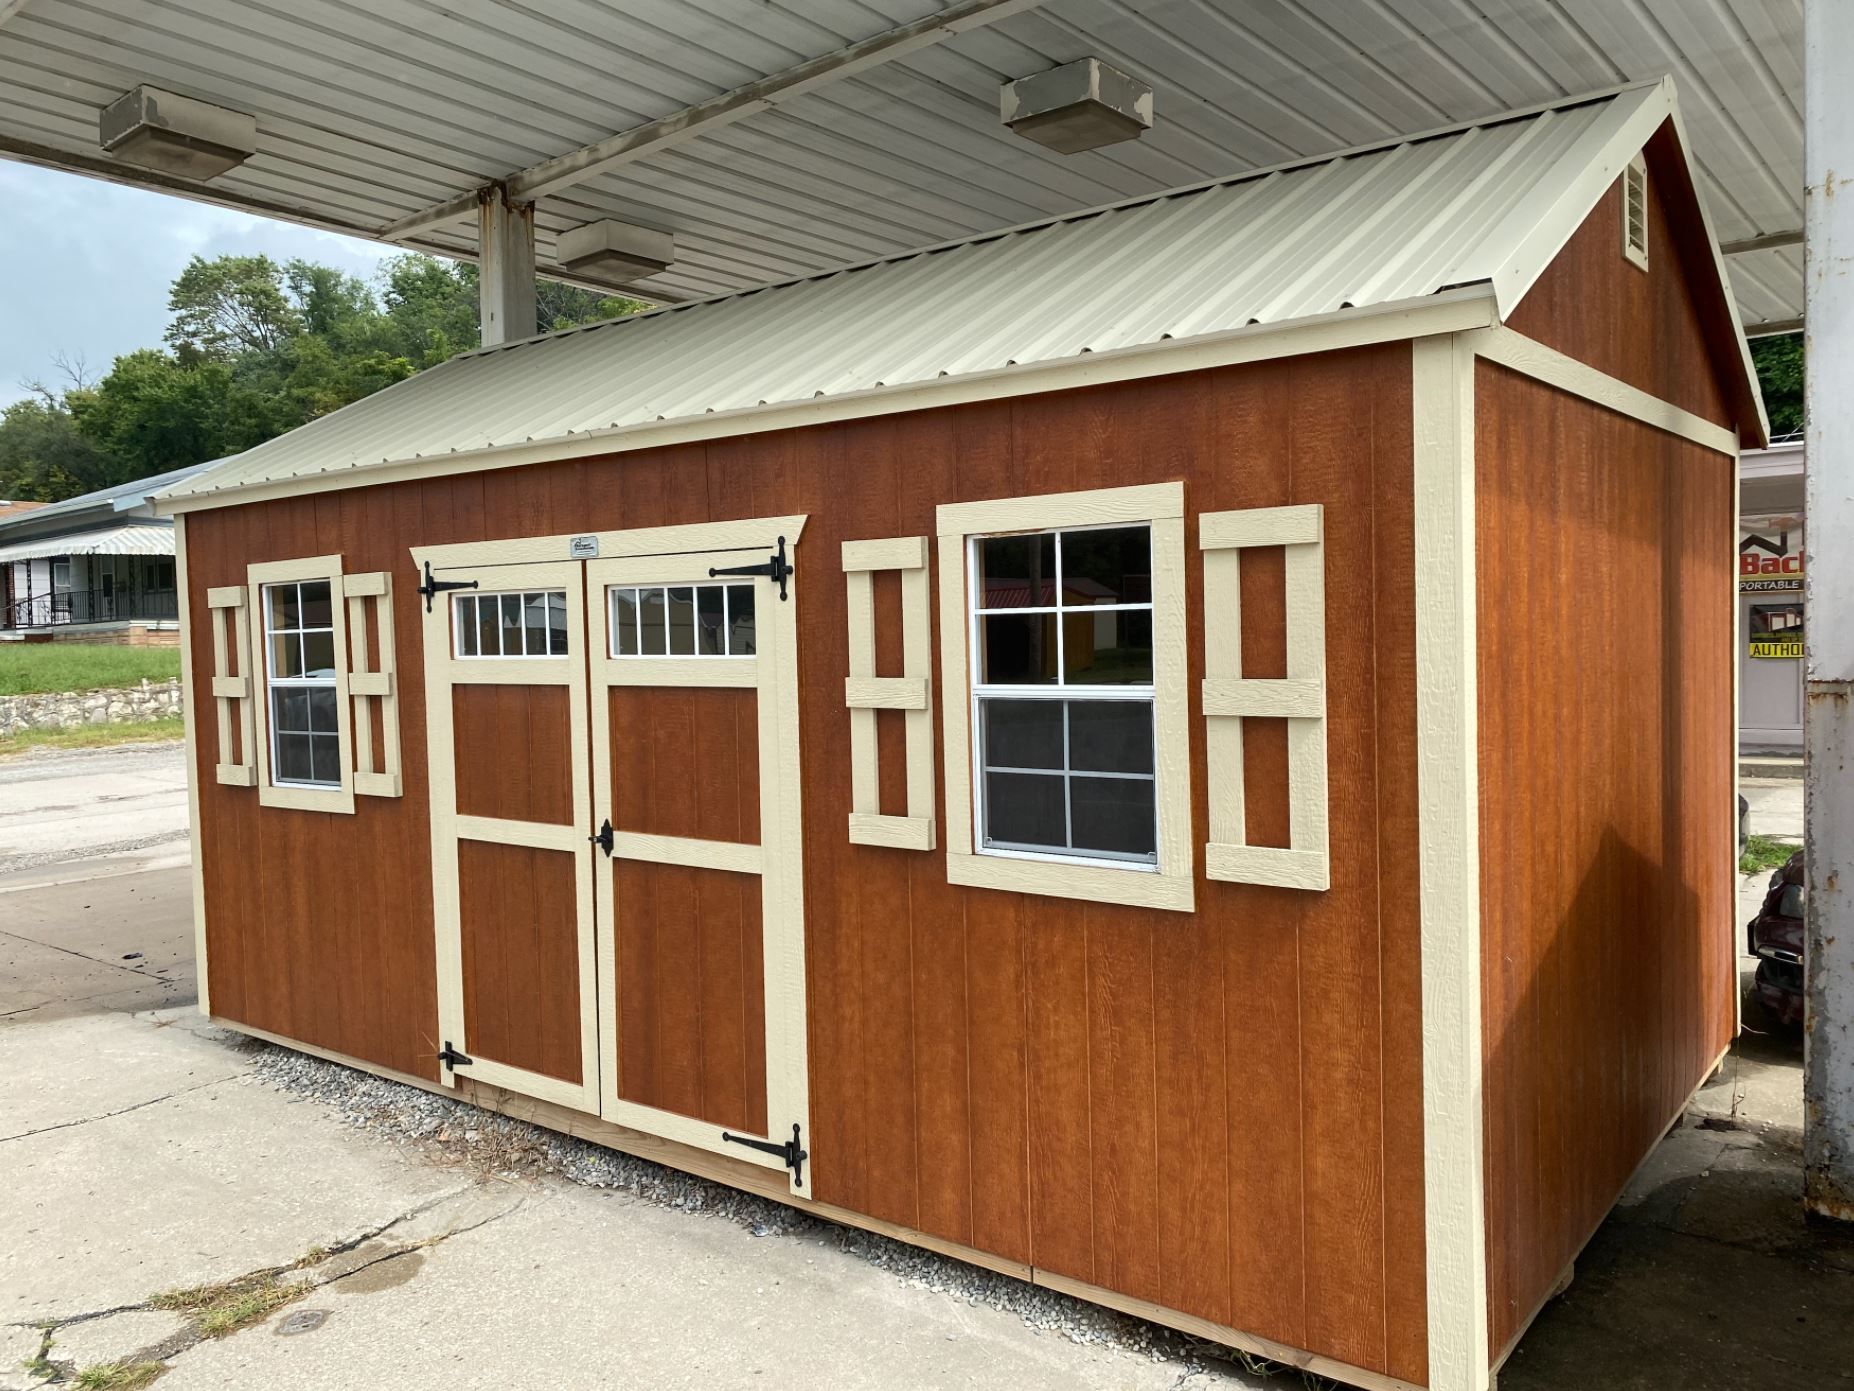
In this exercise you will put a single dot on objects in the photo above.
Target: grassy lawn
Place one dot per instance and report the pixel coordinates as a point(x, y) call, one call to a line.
point(31, 668)
point(1764, 852)
point(93, 736)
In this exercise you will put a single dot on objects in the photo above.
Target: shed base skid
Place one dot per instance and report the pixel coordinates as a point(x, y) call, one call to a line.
point(771, 1184)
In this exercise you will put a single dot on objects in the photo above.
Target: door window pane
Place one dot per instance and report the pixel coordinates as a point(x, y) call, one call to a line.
point(740, 634)
point(534, 624)
point(685, 620)
point(682, 622)
point(511, 625)
point(624, 622)
point(556, 624)
point(653, 622)
point(711, 621)
point(489, 625)
point(463, 622)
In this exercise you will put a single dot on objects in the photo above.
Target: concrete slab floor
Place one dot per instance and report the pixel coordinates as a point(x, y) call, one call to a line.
point(140, 1154)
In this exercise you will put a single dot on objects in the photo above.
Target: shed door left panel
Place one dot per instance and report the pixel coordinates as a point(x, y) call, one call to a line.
point(505, 664)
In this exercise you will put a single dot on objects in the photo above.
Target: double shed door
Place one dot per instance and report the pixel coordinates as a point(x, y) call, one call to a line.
point(615, 832)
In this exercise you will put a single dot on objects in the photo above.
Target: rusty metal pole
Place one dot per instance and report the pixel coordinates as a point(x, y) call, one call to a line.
point(505, 267)
point(1828, 718)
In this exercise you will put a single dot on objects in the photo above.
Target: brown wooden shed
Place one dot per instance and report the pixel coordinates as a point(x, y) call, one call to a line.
point(1183, 753)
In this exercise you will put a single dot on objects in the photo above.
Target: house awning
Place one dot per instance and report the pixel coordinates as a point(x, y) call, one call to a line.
point(133, 539)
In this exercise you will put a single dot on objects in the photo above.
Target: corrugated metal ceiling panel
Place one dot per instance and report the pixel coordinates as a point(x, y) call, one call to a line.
point(368, 113)
point(1369, 229)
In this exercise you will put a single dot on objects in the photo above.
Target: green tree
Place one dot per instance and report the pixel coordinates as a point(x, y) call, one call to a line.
point(43, 455)
point(1779, 363)
point(255, 349)
point(231, 305)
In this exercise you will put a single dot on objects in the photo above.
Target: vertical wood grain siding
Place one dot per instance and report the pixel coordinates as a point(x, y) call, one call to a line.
point(1605, 587)
point(520, 931)
point(691, 961)
point(1643, 327)
point(1216, 1111)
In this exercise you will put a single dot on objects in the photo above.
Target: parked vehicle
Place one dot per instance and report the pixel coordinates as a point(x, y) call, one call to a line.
point(1775, 938)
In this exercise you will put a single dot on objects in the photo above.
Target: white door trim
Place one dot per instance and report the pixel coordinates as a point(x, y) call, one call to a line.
point(443, 671)
point(778, 858)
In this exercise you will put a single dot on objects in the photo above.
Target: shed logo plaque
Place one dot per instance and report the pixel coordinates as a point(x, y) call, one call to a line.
point(583, 547)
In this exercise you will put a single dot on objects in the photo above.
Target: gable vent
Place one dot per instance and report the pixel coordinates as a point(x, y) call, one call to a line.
point(1635, 212)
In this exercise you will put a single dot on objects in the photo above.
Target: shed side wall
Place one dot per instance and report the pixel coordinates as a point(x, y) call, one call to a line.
point(1220, 1111)
point(1604, 580)
point(1641, 327)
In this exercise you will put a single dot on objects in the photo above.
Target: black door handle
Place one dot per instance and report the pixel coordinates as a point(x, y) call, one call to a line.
point(603, 839)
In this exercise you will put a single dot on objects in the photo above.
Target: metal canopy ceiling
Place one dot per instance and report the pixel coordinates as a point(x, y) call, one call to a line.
point(370, 113)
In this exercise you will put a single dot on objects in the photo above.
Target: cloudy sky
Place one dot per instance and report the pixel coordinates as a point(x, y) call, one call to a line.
point(85, 266)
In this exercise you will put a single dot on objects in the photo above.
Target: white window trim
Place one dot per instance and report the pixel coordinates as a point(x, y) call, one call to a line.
point(1172, 885)
point(290, 795)
point(522, 595)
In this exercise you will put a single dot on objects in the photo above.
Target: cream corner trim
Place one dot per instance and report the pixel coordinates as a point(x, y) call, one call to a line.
point(1533, 359)
point(1162, 506)
point(233, 695)
point(368, 680)
point(1448, 864)
point(912, 692)
point(189, 713)
point(1229, 697)
point(270, 793)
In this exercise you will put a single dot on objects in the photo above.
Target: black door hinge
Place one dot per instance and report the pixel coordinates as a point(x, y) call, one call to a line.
point(603, 839)
point(776, 568)
point(434, 585)
point(789, 1151)
point(452, 1059)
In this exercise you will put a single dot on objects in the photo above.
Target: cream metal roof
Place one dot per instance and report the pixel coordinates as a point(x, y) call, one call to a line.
point(1483, 206)
point(369, 112)
point(135, 538)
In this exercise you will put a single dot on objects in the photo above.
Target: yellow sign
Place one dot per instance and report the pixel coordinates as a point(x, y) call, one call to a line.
point(1767, 648)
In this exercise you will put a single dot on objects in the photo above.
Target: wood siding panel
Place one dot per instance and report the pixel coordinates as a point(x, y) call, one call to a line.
point(514, 754)
point(1220, 1111)
point(1605, 586)
point(1644, 327)
point(520, 957)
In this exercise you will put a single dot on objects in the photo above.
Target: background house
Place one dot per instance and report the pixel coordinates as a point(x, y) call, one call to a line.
point(95, 568)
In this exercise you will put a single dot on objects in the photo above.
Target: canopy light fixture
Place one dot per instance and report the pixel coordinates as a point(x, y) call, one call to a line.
point(615, 251)
point(176, 134)
point(1079, 106)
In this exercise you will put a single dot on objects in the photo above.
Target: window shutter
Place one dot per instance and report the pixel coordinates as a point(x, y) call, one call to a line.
point(1299, 698)
point(233, 692)
point(373, 681)
point(912, 693)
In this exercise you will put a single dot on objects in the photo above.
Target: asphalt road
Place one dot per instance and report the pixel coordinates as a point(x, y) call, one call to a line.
point(63, 805)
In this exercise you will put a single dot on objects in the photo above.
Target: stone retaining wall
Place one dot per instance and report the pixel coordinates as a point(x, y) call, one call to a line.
point(152, 700)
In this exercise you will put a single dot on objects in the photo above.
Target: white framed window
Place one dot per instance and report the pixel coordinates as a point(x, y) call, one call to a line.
point(1067, 748)
point(303, 727)
point(520, 623)
point(299, 680)
point(1062, 695)
point(681, 620)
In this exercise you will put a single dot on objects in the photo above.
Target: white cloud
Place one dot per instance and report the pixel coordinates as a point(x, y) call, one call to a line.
point(85, 265)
